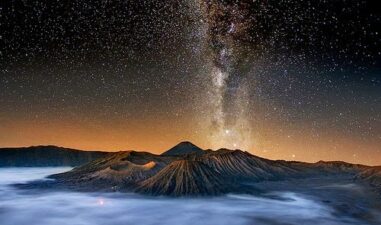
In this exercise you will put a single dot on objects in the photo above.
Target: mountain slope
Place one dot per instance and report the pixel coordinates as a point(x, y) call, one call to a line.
point(121, 170)
point(186, 177)
point(244, 166)
point(41, 156)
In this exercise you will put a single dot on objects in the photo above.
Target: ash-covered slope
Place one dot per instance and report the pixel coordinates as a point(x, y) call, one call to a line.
point(212, 173)
point(241, 165)
point(183, 148)
point(42, 156)
point(186, 177)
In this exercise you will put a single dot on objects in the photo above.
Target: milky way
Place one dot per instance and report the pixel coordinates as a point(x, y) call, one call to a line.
point(226, 25)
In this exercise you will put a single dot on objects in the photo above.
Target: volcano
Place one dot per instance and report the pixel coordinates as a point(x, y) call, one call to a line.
point(183, 148)
point(187, 170)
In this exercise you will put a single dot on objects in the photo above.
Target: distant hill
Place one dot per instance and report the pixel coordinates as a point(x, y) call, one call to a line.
point(183, 148)
point(43, 156)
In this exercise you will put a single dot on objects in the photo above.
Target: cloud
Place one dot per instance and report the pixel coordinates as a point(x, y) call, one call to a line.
point(60, 208)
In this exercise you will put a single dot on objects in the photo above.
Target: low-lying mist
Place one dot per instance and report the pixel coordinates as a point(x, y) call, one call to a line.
point(20, 207)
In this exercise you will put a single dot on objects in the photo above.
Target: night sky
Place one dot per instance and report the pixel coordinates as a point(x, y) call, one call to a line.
point(283, 79)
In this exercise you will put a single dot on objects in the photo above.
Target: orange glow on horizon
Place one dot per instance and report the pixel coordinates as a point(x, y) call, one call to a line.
point(160, 135)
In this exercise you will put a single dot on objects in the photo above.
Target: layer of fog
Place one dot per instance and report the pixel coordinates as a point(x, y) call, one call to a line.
point(20, 207)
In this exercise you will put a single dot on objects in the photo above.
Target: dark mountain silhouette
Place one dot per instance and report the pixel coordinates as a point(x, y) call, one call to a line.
point(46, 156)
point(183, 148)
point(200, 173)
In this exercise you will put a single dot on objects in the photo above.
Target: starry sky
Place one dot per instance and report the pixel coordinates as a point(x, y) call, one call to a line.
point(282, 79)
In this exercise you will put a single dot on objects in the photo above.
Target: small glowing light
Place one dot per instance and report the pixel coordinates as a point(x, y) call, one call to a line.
point(235, 144)
point(293, 156)
point(101, 202)
point(227, 131)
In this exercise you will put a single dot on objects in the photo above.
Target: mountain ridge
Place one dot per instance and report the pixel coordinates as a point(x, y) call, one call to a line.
point(46, 155)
